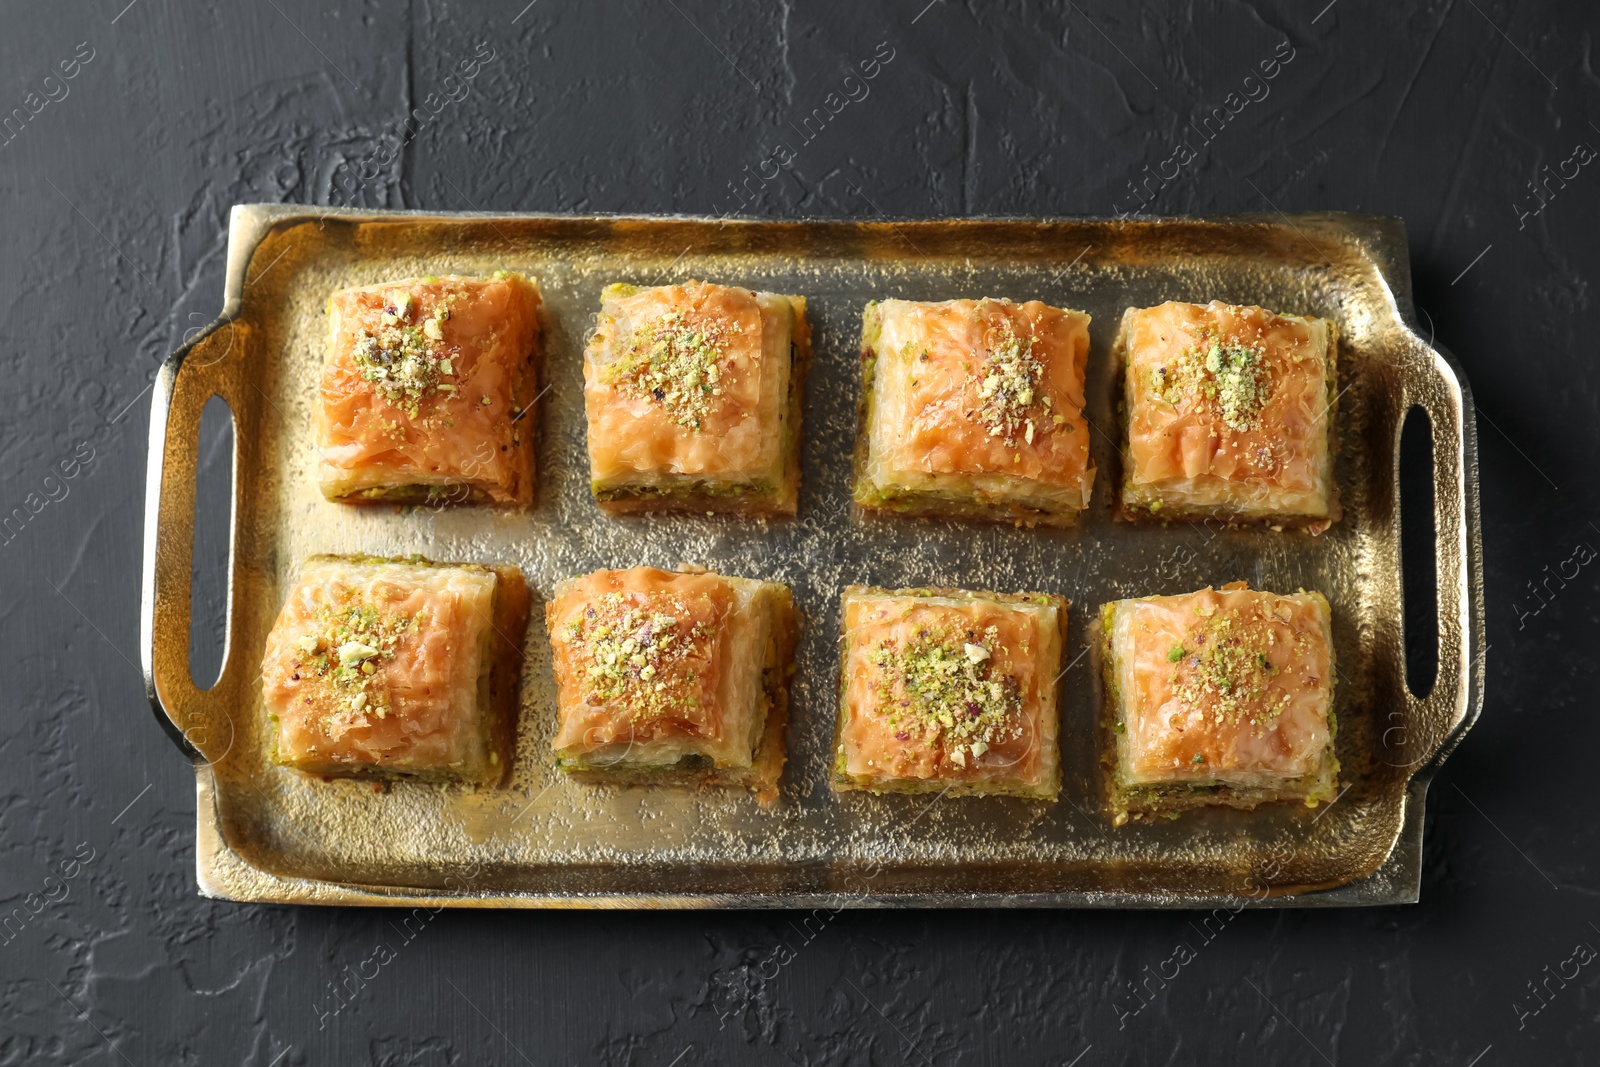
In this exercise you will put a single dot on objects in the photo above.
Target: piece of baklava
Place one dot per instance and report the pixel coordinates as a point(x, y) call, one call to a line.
point(396, 667)
point(427, 390)
point(974, 409)
point(672, 678)
point(947, 690)
point(1229, 414)
point(1217, 697)
point(693, 399)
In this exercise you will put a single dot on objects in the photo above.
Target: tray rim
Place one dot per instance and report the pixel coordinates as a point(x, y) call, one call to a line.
point(222, 874)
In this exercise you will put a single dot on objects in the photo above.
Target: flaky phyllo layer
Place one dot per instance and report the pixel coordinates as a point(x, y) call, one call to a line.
point(692, 394)
point(671, 677)
point(390, 667)
point(1228, 413)
point(426, 391)
point(974, 408)
point(949, 690)
point(1219, 697)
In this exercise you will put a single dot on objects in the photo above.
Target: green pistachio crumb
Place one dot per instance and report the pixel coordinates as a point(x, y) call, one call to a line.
point(679, 363)
point(1008, 382)
point(949, 686)
point(1231, 381)
point(406, 360)
point(635, 655)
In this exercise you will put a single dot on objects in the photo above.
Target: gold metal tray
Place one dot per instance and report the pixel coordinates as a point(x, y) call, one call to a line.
point(266, 834)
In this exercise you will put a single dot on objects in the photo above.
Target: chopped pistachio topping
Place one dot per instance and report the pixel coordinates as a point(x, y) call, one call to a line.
point(350, 645)
point(1008, 380)
point(678, 363)
point(1228, 674)
point(647, 660)
point(1232, 381)
point(945, 686)
point(355, 653)
point(407, 359)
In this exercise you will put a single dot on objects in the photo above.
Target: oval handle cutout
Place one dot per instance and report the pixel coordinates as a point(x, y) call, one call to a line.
point(1419, 570)
point(213, 535)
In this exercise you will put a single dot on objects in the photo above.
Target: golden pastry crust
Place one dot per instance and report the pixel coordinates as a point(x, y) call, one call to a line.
point(1229, 414)
point(672, 678)
point(948, 690)
point(396, 667)
point(692, 394)
point(1218, 697)
point(974, 408)
point(426, 392)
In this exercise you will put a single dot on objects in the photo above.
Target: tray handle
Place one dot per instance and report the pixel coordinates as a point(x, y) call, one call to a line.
point(198, 720)
point(1437, 385)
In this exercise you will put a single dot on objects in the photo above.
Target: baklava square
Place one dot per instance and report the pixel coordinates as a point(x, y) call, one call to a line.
point(693, 399)
point(974, 409)
point(1229, 414)
point(427, 391)
point(948, 690)
point(672, 678)
point(1219, 697)
point(396, 667)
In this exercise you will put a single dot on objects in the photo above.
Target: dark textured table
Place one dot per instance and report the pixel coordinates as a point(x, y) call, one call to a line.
point(128, 132)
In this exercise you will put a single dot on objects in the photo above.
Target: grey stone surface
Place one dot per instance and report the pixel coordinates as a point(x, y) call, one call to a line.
point(114, 190)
